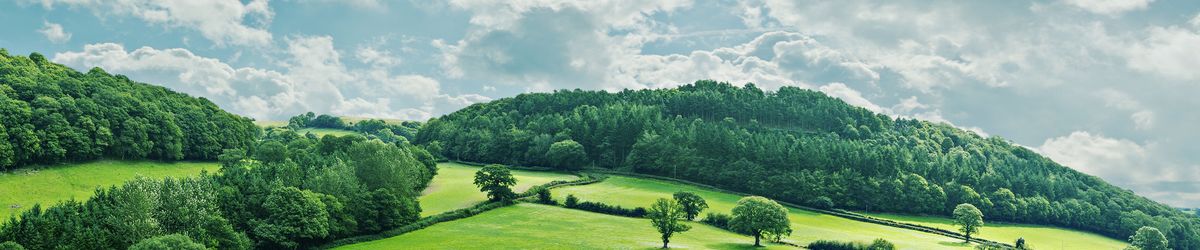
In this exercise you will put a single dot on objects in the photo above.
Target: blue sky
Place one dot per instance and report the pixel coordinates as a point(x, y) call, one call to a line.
point(1104, 86)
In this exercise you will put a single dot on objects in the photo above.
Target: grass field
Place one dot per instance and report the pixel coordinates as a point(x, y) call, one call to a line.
point(319, 132)
point(453, 187)
point(533, 226)
point(807, 226)
point(1037, 236)
point(79, 181)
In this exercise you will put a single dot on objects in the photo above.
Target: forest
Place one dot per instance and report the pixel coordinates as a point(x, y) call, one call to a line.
point(50, 113)
point(799, 146)
point(273, 191)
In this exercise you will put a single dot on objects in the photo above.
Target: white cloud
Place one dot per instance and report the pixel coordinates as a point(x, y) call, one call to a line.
point(1109, 7)
point(1112, 159)
point(851, 96)
point(377, 57)
point(54, 32)
point(1168, 51)
point(1141, 117)
point(313, 79)
point(221, 21)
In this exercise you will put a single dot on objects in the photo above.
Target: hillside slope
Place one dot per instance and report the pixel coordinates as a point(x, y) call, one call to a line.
point(50, 113)
point(799, 146)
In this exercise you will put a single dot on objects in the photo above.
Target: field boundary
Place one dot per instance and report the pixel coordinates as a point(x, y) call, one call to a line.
point(585, 179)
point(833, 212)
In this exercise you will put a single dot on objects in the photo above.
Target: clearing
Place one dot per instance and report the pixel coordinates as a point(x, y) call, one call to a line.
point(48, 185)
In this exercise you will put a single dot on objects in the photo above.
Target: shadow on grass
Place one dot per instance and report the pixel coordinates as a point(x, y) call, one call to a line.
point(954, 243)
point(731, 245)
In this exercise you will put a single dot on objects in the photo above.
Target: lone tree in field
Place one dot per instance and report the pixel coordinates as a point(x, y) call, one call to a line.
point(566, 154)
point(1148, 238)
point(969, 218)
point(692, 204)
point(497, 181)
point(759, 216)
point(665, 214)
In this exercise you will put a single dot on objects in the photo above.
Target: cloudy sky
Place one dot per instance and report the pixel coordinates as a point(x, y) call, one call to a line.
point(1107, 87)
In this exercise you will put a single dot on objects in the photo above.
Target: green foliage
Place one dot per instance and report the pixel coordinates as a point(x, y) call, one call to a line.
point(796, 145)
point(497, 181)
point(718, 220)
point(1149, 238)
point(760, 217)
point(317, 191)
point(9, 245)
point(567, 154)
point(665, 216)
point(571, 201)
point(877, 244)
point(168, 242)
point(50, 113)
point(968, 218)
point(692, 204)
point(821, 202)
point(543, 196)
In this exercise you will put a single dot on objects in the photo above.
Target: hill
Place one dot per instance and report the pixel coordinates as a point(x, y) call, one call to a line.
point(50, 113)
point(47, 186)
point(799, 146)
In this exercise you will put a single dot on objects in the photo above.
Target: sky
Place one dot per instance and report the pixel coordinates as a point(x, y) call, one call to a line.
point(1107, 87)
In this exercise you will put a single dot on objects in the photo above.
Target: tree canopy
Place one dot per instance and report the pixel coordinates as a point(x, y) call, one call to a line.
point(50, 113)
point(969, 219)
point(798, 145)
point(497, 181)
point(691, 203)
point(760, 217)
point(1148, 238)
point(665, 216)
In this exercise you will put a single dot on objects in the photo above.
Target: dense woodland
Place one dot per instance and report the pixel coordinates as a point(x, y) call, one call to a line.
point(289, 192)
point(373, 128)
point(799, 146)
point(50, 113)
point(278, 191)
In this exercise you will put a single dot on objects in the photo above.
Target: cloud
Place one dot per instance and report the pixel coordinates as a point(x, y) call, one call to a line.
point(851, 96)
point(54, 32)
point(221, 21)
point(1169, 51)
point(1141, 117)
point(1109, 7)
point(313, 79)
point(1114, 160)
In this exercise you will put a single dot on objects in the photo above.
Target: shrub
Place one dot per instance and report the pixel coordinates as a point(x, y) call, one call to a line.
point(718, 220)
point(571, 201)
point(543, 196)
point(608, 209)
point(9, 245)
point(168, 242)
point(821, 202)
point(878, 244)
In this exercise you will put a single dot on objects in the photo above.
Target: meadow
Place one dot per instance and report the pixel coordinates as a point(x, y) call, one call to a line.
point(534, 226)
point(1037, 236)
point(807, 226)
point(453, 187)
point(47, 185)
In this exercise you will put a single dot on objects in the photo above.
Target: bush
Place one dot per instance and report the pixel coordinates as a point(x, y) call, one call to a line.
point(571, 201)
point(878, 244)
point(168, 242)
point(821, 202)
point(718, 220)
point(543, 196)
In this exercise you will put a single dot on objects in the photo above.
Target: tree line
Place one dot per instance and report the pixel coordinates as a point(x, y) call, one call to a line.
point(799, 146)
point(50, 113)
point(373, 128)
point(286, 192)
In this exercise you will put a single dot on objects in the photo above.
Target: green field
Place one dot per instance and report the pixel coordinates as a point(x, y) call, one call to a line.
point(807, 226)
point(1037, 236)
point(47, 186)
point(453, 187)
point(319, 132)
point(533, 226)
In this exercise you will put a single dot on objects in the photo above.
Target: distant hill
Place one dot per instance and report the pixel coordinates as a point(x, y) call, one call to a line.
point(799, 146)
point(50, 113)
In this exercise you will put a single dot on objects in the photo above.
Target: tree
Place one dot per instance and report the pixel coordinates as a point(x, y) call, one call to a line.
point(665, 215)
point(759, 216)
point(543, 196)
point(567, 154)
point(497, 181)
point(9, 245)
point(1148, 238)
point(295, 216)
point(571, 201)
point(168, 242)
point(1020, 244)
point(692, 204)
point(968, 218)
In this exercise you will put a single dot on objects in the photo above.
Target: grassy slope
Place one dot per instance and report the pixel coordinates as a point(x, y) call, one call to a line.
point(79, 181)
point(1037, 236)
point(532, 226)
point(453, 187)
point(807, 226)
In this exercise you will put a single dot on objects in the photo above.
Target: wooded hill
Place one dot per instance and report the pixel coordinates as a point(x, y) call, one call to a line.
point(50, 113)
point(799, 146)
